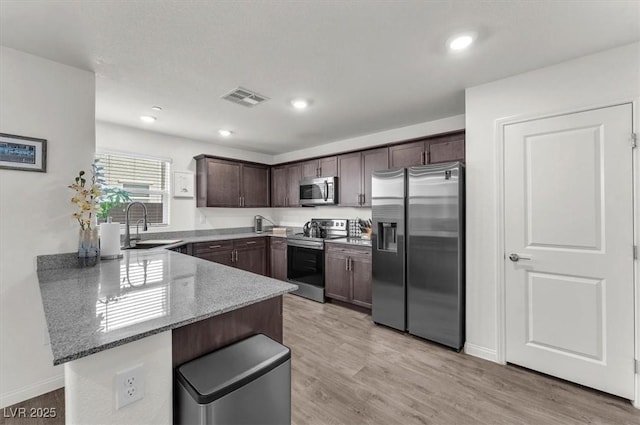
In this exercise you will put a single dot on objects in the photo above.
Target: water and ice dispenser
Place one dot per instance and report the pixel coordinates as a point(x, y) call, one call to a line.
point(388, 236)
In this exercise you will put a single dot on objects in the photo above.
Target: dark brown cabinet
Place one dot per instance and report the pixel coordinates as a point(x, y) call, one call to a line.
point(245, 254)
point(278, 258)
point(323, 167)
point(286, 185)
point(348, 274)
point(354, 172)
point(225, 183)
point(216, 251)
point(251, 255)
point(432, 150)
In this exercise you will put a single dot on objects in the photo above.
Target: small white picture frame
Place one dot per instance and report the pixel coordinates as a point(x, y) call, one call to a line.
point(182, 184)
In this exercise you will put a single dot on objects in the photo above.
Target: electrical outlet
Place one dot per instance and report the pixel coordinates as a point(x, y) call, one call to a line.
point(129, 386)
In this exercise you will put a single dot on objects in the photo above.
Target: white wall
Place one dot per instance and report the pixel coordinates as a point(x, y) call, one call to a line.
point(47, 100)
point(90, 391)
point(595, 80)
point(183, 212)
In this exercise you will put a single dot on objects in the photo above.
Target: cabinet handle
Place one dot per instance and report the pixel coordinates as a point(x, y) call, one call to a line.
point(320, 172)
point(232, 256)
point(251, 242)
point(346, 263)
point(363, 199)
point(350, 264)
point(214, 246)
point(236, 251)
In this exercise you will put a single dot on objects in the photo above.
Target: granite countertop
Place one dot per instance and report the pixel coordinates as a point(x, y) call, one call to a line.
point(146, 292)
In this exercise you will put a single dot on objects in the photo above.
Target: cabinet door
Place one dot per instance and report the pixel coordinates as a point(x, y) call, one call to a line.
point(336, 276)
point(255, 186)
point(372, 160)
point(450, 149)
point(223, 183)
point(310, 168)
point(279, 187)
point(278, 259)
point(350, 178)
point(252, 259)
point(361, 275)
point(294, 174)
point(406, 155)
point(328, 166)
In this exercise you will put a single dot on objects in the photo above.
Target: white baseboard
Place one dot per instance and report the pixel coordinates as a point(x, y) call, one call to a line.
point(30, 391)
point(481, 352)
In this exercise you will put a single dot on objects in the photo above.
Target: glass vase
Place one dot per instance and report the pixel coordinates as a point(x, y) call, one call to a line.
point(88, 247)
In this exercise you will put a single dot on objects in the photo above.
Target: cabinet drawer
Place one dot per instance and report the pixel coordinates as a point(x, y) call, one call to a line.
point(249, 243)
point(279, 243)
point(213, 246)
point(347, 250)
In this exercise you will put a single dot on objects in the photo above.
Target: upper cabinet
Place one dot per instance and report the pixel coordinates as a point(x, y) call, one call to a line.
point(354, 173)
point(323, 167)
point(432, 150)
point(286, 185)
point(228, 183)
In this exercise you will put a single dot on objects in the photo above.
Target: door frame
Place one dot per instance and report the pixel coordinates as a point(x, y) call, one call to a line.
point(501, 321)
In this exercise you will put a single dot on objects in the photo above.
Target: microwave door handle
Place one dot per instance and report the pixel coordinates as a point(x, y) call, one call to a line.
point(326, 191)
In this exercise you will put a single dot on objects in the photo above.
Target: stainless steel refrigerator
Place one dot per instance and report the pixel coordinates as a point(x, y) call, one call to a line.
point(418, 251)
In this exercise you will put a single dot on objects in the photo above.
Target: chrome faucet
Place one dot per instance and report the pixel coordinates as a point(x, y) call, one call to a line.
point(127, 234)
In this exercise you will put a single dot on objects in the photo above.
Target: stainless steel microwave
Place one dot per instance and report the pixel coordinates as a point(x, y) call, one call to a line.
point(319, 191)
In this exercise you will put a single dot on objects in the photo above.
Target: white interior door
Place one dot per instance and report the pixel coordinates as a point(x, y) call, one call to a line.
point(569, 216)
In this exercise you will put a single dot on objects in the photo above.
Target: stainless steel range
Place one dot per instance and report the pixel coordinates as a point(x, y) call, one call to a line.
point(305, 255)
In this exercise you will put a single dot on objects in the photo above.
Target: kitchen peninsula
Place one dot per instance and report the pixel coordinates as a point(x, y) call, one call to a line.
point(154, 308)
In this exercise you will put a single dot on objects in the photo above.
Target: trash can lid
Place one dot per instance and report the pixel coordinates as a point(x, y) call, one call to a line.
point(220, 372)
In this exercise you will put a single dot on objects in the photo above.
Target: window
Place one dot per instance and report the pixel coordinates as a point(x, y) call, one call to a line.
point(147, 181)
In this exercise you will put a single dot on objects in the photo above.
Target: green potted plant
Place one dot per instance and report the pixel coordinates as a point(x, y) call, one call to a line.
point(110, 198)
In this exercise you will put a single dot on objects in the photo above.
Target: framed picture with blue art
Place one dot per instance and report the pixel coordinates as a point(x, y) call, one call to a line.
point(23, 153)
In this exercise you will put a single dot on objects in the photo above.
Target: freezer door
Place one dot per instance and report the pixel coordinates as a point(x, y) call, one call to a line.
point(435, 253)
point(388, 248)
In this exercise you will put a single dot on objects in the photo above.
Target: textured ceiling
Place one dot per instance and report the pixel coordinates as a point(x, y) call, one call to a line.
point(368, 66)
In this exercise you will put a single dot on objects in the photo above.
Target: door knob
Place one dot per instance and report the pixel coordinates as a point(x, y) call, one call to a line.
point(517, 257)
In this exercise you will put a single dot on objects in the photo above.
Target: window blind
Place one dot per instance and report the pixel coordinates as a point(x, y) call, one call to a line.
point(146, 180)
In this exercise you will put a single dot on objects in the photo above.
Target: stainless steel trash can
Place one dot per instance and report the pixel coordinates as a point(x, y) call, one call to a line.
point(248, 382)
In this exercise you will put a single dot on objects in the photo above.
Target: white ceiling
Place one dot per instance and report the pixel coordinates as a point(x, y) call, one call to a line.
point(368, 66)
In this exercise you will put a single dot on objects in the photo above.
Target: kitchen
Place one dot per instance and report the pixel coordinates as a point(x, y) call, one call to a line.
point(567, 82)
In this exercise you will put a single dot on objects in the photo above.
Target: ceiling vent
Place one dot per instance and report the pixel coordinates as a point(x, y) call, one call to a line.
point(245, 97)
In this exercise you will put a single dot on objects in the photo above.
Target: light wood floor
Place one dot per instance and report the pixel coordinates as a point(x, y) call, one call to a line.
point(53, 400)
point(346, 370)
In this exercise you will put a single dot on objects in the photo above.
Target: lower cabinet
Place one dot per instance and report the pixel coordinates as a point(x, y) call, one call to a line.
point(278, 258)
point(348, 274)
point(246, 254)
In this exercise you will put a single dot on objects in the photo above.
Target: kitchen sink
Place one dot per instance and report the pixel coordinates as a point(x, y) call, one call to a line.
point(154, 243)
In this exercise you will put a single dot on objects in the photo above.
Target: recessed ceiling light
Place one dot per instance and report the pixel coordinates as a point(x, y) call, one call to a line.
point(461, 41)
point(156, 108)
point(148, 118)
point(224, 133)
point(299, 103)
